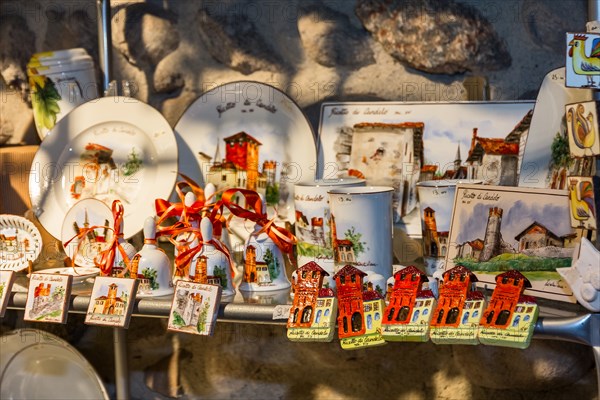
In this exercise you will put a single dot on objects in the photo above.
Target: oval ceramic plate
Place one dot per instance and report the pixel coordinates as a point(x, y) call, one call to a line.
point(80, 274)
point(107, 149)
point(86, 214)
point(20, 242)
point(249, 135)
point(36, 364)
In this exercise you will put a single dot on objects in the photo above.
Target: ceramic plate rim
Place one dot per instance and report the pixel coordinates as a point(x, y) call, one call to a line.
point(85, 116)
point(33, 231)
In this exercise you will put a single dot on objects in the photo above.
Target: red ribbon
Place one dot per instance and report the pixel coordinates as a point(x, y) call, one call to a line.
point(282, 238)
point(80, 236)
point(165, 209)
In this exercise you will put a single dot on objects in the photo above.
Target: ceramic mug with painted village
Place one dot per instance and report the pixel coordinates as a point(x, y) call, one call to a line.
point(59, 81)
point(436, 201)
point(312, 221)
point(362, 229)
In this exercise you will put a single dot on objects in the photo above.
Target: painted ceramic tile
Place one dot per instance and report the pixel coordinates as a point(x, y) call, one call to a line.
point(583, 60)
point(407, 316)
point(111, 301)
point(195, 307)
point(582, 203)
point(6, 280)
point(546, 161)
point(510, 317)
point(360, 313)
point(399, 144)
point(528, 230)
point(456, 317)
point(314, 309)
point(48, 298)
point(582, 128)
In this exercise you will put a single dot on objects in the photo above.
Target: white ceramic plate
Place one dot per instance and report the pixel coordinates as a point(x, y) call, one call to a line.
point(107, 149)
point(80, 274)
point(546, 122)
point(20, 242)
point(87, 213)
point(38, 365)
point(250, 114)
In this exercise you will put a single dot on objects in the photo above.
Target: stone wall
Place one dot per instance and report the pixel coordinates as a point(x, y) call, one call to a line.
point(171, 51)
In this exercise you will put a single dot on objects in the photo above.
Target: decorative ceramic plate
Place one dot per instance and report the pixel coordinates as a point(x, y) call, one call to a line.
point(107, 149)
point(85, 214)
point(36, 364)
point(20, 242)
point(80, 274)
point(548, 120)
point(249, 135)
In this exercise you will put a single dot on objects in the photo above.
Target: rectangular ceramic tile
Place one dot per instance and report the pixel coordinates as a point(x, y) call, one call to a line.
point(111, 301)
point(195, 307)
point(48, 298)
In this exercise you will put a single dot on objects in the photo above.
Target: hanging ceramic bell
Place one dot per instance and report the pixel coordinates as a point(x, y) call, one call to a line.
point(264, 265)
point(151, 265)
point(186, 240)
point(211, 265)
point(119, 264)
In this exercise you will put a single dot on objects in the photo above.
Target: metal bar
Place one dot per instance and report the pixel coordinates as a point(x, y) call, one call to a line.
point(104, 41)
point(593, 10)
point(121, 369)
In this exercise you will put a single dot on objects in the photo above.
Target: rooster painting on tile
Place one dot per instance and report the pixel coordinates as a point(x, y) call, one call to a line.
point(581, 202)
point(583, 60)
point(582, 128)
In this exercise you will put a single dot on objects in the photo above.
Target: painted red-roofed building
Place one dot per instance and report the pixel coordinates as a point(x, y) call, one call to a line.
point(452, 296)
point(309, 282)
point(350, 301)
point(509, 288)
point(407, 283)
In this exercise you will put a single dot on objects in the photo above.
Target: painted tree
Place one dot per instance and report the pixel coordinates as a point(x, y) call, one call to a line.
point(272, 264)
point(354, 237)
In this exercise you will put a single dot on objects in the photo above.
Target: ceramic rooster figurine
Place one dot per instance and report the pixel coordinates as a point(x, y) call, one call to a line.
point(583, 64)
point(581, 195)
point(582, 126)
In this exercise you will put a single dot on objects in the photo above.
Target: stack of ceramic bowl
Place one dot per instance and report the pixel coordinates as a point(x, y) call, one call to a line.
point(59, 81)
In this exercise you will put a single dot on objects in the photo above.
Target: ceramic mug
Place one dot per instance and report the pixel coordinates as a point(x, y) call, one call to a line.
point(436, 201)
point(58, 85)
point(361, 229)
point(312, 227)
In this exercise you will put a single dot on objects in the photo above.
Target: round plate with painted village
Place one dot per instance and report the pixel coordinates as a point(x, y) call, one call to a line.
point(114, 148)
point(248, 135)
point(20, 242)
point(90, 218)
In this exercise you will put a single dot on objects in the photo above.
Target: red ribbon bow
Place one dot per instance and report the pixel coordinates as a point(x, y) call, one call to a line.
point(106, 258)
point(166, 209)
point(282, 238)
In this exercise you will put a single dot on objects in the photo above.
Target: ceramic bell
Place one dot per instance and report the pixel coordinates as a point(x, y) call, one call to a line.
point(211, 265)
point(220, 232)
point(118, 264)
point(264, 265)
point(151, 265)
point(189, 200)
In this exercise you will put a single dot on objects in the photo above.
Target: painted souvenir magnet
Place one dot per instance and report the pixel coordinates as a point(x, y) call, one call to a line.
point(456, 316)
point(195, 307)
point(47, 298)
point(111, 302)
point(360, 312)
point(582, 128)
point(406, 318)
point(510, 317)
point(6, 281)
point(583, 276)
point(313, 312)
point(583, 60)
point(528, 229)
point(582, 203)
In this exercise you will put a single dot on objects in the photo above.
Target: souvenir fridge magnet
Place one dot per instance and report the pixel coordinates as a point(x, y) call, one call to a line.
point(194, 308)
point(407, 316)
point(583, 60)
point(582, 128)
point(48, 298)
point(111, 301)
point(510, 317)
point(581, 203)
point(360, 312)
point(313, 311)
point(456, 317)
point(6, 280)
